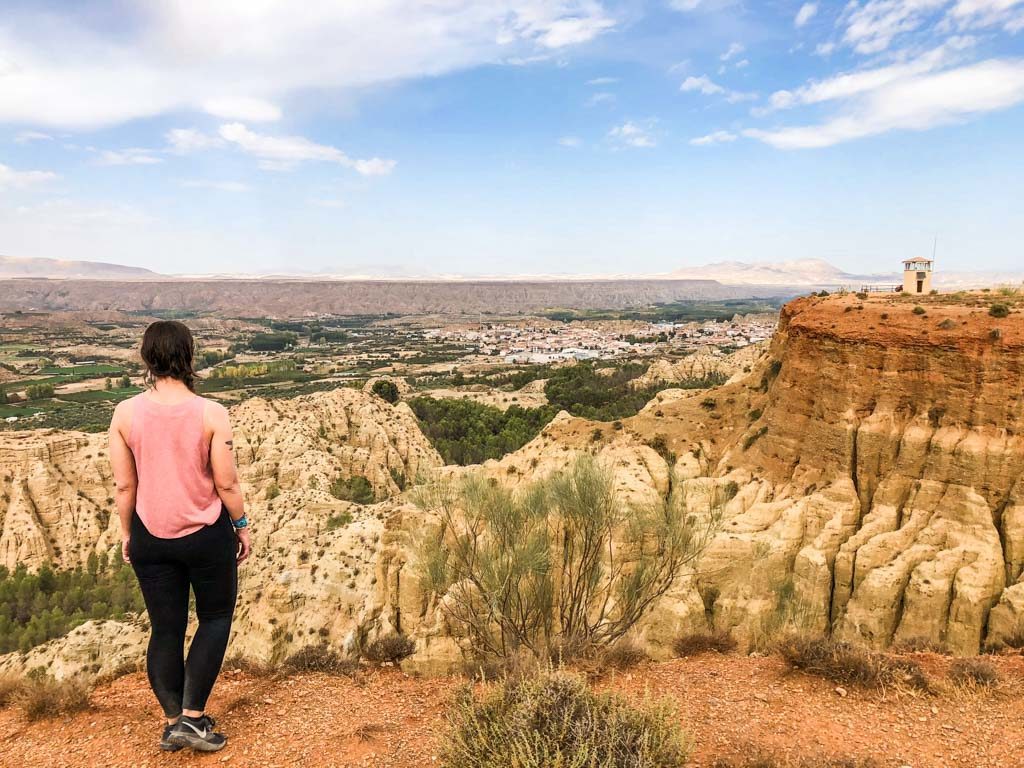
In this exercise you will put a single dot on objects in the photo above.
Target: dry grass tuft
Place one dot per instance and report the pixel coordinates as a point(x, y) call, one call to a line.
point(920, 645)
point(251, 667)
point(973, 672)
point(757, 758)
point(553, 718)
point(390, 648)
point(321, 658)
point(10, 687)
point(623, 655)
point(43, 697)
point(704, 642)
point(848, 664)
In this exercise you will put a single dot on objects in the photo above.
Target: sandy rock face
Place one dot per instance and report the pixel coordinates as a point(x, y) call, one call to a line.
point(93, 649)
point(312, 575)
point(701, 365)
point(888, 457)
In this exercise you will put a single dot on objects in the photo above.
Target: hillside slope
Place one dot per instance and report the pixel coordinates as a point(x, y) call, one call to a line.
point(872, 462)
point(729, 705)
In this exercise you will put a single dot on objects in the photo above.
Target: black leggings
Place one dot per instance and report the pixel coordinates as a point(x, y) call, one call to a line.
point(166, 568)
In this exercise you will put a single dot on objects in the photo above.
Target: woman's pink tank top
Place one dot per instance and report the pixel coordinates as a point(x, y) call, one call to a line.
point(176, 494)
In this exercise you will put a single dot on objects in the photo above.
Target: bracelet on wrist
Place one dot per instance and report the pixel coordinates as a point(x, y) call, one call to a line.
point(240, 523)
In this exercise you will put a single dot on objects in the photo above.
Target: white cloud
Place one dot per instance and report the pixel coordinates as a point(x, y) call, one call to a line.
point(222, 186)
point(735, 49)
point(824, 49)
point(914, 103)
point(871, 27)
point(280, 153)
point(717, 137)
point(130, 156)
point(570, 141)
point(374, 166)
point(705, 85)
point(26, 137)
point(601, 97)
point(688, 6)
point(241, 108)
point(632, 134)
point(851, 84)
point(987, 13)
point(566, 31)
point(240, 59)
point(603, 81)
point(185, 140)
point(807, 12)
point(12, 179)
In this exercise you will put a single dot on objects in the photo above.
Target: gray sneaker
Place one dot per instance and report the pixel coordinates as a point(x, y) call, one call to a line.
point(197, 733)
point(165, 741)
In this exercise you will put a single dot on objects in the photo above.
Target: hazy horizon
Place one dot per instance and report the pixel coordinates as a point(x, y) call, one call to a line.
point(517, 137)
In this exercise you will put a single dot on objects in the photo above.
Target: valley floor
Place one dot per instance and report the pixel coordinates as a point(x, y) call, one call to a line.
point(730, 705)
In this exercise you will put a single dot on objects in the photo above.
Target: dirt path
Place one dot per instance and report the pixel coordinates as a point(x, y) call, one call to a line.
point(729, 704)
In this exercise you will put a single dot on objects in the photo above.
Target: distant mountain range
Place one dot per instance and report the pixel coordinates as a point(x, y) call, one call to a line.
point(796, 275)
point(800, 272)
point(14, 266)
point(818, 273)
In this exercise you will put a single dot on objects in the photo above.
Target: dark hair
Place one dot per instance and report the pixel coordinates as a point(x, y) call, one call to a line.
point(167, 351)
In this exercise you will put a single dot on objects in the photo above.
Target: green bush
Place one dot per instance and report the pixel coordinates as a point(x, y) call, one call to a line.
point(356, 489)
point(36, 607)
point(918, 310)
point(999, 310)
point(554, 719)
point(593, 393)
point(465, 432)
point(386, 390)
point(534, 570)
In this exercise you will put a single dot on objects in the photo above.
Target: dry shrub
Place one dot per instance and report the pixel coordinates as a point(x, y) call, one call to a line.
point(43, 697)
point(392, 647)
point(973, 672)
point(321, 658)
point(513, 667)
point(760, 759)
point(121, 670)
point(623, 655)
point(251, 667)
point(703, 642)
point(10, 686)
point(554, 719)
point(919, 645)
point(848, 664)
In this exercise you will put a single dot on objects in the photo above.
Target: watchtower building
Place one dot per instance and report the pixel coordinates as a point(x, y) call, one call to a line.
point(917, 276)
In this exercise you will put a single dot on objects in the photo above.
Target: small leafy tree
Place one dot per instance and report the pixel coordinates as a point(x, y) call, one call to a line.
point(386, 390)
point(356, 489)
point(563, 563)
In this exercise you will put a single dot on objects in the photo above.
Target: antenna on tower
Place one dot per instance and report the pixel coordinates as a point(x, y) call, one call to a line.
point(935, 247)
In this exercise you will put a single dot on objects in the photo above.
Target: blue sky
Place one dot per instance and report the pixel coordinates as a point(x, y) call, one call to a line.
point(511, 136)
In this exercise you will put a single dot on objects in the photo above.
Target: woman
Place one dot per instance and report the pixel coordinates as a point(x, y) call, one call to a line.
point(183, 525)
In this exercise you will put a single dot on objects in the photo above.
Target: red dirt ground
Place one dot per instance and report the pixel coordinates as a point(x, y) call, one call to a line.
point(729, 705)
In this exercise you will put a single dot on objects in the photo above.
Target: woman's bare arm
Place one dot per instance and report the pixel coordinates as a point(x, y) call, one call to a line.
point(126, 479)
point(222, 461)
point(225, 474)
